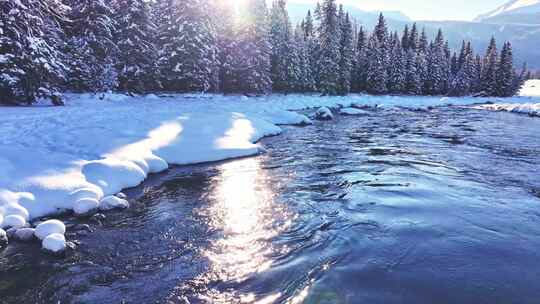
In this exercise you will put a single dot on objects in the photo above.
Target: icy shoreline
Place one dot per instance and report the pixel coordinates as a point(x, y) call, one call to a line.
point(72, 158)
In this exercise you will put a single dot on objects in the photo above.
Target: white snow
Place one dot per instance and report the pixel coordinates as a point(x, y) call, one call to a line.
point(531, 89)
point(54, 243)
point(49, 227)
point(3, 238)
point(72, 157)
point(14, 221)
point(530, 105)
point(353, 111)
point(513, 6)
point(85, 206)
point(112, 202)
point(324, 113)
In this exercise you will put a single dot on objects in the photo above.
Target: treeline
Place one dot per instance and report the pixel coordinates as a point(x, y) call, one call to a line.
point(139, 46)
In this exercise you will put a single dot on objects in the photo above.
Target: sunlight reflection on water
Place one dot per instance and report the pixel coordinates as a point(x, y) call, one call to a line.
point(248, 216)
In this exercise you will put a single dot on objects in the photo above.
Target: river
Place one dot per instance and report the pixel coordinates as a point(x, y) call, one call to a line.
point(400, 206)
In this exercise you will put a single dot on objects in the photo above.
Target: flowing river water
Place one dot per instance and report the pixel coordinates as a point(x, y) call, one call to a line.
point(400, 206)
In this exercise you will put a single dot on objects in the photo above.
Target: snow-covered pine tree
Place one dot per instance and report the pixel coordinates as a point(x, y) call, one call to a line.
point(252, 58)
point(346, 52)
point(520, 78)
point(396, 72)
point(454, 65)
point(312, 45)
point(422, 62)
point(476, 86)
point(223, 16)
point(506, 73)
point(413, 38)
point(187, 47)
point(413, 83)
point(301, 78)
point(489, 73)
point(381, 30)
point(405, 38)
point(435, 84)
point(91, 46)
point(31, 64)
point(136, 61)
point(329, 56)
point(376, 77)
point(447, 69)
point(463, 82)
point(281, 41)
point(360, 63)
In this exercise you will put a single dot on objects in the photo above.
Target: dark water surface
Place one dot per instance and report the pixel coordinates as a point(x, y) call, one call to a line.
point(400, 206)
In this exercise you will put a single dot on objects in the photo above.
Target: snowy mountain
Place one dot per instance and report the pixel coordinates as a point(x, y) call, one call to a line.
point(297, 11)
point(514, 12)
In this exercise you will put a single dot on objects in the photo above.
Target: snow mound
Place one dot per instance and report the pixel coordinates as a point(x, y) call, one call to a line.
point(352, 111)
point(86, 206)
point(54, 243)
point(324, 113)
point(532, 109)
point(113, 175)
point(113, 202)
point(14, 221)
point(3, 238)
point(531, 89)
point(49, 227)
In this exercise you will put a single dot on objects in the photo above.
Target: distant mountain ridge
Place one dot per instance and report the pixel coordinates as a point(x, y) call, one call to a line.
point(515, 11)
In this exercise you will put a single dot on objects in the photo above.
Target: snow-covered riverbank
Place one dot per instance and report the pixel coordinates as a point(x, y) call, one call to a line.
point(71, 158)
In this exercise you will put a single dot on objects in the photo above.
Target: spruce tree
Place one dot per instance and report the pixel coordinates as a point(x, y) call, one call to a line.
point(413, 38)
point(413, 83)
point(252, 59)
point(91, 47)
point(329, 56)
point(187, 53)
point(226, 39)
point(405, 38)
point(360, 62)
point(30, 60)
point(136, 62)
point(463, 82)
point(505, 72)
point(376, 77)
point(346, 53)
point(489, 73)
point(435, 84)
point(281, 40)
point(396, 71)
point(301, 79)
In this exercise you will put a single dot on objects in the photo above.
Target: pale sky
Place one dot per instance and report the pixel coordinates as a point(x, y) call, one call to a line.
point(426, 9)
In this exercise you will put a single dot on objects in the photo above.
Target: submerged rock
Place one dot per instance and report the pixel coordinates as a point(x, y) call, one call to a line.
point(352, 111)
point(113, 202)
point(98, 217)
point(24, 234)
point(324, 113)
point(121, 195)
